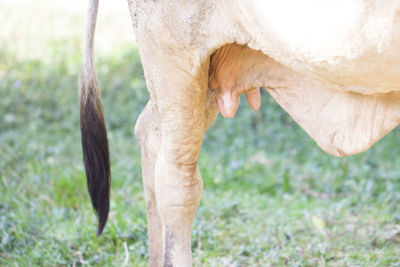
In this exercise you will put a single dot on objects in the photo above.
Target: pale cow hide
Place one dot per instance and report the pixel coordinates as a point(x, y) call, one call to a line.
point(334, 66)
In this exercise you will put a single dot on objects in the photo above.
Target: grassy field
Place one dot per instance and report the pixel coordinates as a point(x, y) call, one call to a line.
point(271, 196)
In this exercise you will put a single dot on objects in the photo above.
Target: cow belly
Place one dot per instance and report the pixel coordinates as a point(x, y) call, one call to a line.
point(341, 123)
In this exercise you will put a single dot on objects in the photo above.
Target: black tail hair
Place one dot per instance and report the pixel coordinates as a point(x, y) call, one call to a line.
point(94, 134)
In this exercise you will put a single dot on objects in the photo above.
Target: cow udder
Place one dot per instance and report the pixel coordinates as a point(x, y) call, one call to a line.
point(341, 122)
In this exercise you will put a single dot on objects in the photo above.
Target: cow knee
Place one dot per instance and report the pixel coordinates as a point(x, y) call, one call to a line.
point(147, 128)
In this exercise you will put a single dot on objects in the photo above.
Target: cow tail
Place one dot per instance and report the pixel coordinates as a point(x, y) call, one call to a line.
point(94, 134)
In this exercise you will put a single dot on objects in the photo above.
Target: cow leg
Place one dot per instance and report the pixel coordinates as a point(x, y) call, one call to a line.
point(147, 131)
point(178, 186)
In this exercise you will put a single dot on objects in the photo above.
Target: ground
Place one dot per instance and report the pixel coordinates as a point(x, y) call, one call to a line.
point(271, 196)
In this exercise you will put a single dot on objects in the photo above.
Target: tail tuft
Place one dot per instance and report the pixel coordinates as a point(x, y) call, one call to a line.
point(93, 129)
point(96, 156)
point(95, 151)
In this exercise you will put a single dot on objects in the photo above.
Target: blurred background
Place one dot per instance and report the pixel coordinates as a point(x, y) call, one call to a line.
point(271, 196)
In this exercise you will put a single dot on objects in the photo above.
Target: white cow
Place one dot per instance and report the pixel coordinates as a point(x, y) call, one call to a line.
point(334, 66)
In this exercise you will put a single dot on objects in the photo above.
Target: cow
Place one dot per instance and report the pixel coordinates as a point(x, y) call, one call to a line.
point(334, 66)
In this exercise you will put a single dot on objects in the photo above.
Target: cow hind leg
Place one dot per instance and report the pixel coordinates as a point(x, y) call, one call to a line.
point(183, 103)
point(147, 131)
point(178, 187)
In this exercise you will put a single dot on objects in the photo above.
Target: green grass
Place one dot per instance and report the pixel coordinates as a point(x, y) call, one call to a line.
point(271, 196)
